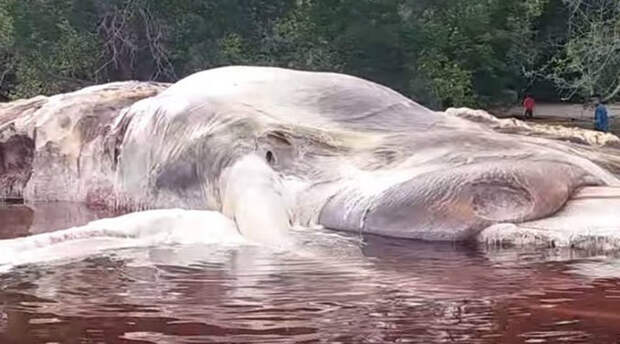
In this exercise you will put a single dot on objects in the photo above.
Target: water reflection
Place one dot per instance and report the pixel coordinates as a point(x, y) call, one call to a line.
point(17, 220)
point(384, 291)
point(50, 216)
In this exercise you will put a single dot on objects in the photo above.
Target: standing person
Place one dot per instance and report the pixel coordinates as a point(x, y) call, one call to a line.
point(601, 118)
point(529, 104)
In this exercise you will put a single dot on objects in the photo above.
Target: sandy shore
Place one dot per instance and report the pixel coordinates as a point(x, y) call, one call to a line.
point(560, 110)
point(570, 115)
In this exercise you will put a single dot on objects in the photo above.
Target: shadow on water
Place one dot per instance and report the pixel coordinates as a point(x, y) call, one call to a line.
point(390, 291)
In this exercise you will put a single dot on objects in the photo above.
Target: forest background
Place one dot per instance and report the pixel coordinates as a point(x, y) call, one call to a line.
point(438, 52)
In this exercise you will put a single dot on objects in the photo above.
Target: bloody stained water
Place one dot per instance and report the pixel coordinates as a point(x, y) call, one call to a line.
point(393, 291)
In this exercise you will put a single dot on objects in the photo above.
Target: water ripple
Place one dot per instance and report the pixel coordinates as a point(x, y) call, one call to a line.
point(378, 291)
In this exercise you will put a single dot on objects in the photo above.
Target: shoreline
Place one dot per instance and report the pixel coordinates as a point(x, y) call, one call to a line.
point(567, 115)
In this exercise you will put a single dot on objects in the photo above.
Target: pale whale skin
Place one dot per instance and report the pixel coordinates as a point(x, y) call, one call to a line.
point(338, 151)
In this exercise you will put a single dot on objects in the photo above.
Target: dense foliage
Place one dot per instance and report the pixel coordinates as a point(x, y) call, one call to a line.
point(439, 52)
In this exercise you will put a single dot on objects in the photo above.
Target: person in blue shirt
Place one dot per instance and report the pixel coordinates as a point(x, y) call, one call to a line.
point(601, 118)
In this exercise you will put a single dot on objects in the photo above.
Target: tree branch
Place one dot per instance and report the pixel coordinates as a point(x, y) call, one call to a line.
point(614, 92)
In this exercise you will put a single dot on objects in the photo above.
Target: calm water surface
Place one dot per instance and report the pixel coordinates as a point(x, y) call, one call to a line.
point(347, 290)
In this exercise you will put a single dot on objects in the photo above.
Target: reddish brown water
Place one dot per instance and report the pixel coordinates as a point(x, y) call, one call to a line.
point(393, 291)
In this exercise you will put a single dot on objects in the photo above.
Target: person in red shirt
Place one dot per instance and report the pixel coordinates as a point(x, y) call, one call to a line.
point(529, 104)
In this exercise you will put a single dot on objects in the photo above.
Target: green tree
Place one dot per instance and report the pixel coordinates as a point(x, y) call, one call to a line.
point(7, 60)
point(589, 61)
point(439, 52)
point(48, 53)
point(476, 51)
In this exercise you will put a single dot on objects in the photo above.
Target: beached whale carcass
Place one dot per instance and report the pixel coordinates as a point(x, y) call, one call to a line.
point(272, 147)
